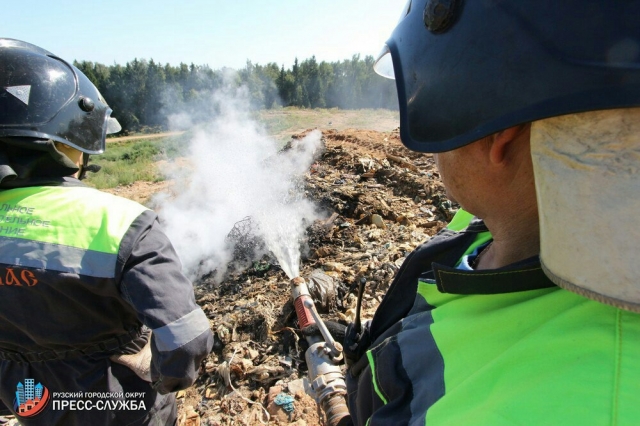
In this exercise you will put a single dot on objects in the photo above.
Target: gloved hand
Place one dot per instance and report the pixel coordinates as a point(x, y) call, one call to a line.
point(337, 330)
point(139, 363)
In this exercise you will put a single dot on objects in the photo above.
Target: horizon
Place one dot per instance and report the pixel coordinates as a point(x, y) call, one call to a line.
point(212, 33)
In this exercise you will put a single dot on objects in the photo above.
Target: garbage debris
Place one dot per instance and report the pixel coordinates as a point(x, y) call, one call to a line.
point(286, 401)
point(381, 201)
point(322, 289)
point(245, 240)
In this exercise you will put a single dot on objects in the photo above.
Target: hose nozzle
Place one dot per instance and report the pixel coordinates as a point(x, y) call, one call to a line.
point(300, 293)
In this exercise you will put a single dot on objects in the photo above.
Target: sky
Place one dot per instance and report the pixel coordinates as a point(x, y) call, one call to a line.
point(212, 32)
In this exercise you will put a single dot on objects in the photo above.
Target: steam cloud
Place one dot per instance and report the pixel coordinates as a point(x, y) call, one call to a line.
point(235, 170)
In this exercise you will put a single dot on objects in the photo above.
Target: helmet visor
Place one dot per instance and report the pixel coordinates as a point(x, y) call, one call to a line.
point(113, 126)
point(384, 64)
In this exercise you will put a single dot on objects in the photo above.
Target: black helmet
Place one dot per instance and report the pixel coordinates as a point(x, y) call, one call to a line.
point(467, 69)
point(45, 97)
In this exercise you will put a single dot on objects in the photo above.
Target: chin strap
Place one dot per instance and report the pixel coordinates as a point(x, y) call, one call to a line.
point(93, 168)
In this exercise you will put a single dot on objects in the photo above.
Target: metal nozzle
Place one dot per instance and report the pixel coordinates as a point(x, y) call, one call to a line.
point(300, 293)
point(298, 281)
point(333, 346)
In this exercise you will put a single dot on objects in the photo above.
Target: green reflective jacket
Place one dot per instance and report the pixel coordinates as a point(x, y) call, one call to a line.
point(84, 275)
point(497, 347)
point(69, 229)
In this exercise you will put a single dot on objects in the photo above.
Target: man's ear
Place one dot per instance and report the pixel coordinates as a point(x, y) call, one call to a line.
point(502, 141)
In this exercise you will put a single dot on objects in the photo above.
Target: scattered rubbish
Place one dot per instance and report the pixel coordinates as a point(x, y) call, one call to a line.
point(380, 202)
point(296, 387)
point(285, 401)
point(246, 243)
point(322, 289)
point(376, 219)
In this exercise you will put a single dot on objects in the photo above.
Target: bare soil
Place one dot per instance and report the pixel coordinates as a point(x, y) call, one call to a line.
point(385, 200)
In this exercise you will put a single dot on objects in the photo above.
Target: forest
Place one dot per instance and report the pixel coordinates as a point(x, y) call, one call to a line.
point(143, 93)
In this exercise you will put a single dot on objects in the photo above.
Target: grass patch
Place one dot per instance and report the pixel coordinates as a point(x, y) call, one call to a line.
point(126, 162)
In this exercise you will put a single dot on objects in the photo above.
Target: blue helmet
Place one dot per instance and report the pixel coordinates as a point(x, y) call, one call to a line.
point(467, 69)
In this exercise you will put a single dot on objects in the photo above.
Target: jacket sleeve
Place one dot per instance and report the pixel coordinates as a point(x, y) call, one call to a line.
point(152, 282)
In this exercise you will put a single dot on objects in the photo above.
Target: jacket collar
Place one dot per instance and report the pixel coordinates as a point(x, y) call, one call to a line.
point(520, 276)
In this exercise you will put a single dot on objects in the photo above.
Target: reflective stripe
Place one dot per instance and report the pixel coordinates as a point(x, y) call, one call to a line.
point(181, 331)
point(56, 257)
point(427, 376)
point(372, 365)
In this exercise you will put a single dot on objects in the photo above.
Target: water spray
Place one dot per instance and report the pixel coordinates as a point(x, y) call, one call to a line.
point(323, 356)
point(237, 171)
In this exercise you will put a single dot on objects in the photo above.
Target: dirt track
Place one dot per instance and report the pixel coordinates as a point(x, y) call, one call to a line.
point(148, 136)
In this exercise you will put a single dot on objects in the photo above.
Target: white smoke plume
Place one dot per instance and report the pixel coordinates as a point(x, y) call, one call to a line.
point(235, 170)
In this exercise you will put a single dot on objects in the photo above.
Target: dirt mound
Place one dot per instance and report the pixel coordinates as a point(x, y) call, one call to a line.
point(382, 201)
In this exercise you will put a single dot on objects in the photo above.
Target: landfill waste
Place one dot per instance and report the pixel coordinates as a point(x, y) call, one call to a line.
point(380, 201)
point(286, 401)
point(322, 289)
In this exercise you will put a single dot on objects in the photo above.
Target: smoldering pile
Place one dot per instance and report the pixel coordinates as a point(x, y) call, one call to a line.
point(380, 202)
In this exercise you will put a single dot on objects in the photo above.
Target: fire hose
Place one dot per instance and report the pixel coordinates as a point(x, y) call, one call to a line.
point(323, 357)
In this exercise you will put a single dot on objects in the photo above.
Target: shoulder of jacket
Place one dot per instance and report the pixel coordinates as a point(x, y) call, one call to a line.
point(96, 197)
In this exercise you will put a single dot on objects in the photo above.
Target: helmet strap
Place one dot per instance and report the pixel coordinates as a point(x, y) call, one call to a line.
point(85, 167)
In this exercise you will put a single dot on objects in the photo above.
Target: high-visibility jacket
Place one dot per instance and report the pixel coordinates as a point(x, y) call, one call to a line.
point(85, 275)
point(492, 347)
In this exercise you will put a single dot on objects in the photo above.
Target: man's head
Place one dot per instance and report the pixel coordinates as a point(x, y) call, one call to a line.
point(44, 98)
point(469, 74)
point(493, 175)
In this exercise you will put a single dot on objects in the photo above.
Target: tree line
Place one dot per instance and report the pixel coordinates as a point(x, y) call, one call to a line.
point(143, 93)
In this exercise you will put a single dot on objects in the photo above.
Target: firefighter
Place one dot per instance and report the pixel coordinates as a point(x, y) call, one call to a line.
point(524, 310)
point(98, 325)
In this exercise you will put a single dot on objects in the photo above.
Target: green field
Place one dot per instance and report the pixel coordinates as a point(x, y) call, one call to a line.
point(132, 159)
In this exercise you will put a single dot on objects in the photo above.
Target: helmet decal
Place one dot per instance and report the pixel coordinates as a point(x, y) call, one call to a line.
point(20, 92)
